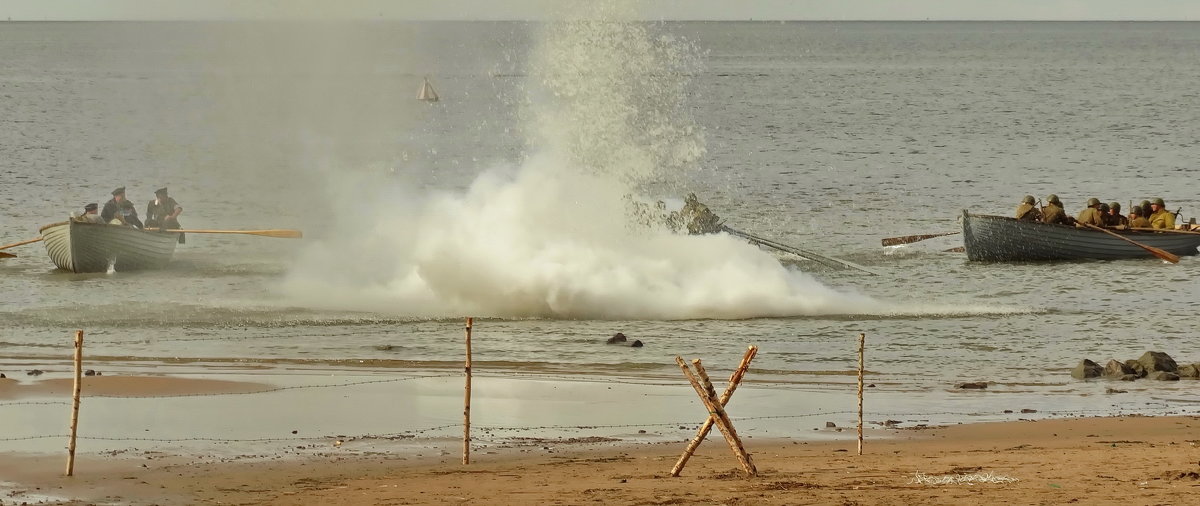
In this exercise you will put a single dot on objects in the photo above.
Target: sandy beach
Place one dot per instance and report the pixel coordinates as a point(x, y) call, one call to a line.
point(1097, 460)
point(1121, 460)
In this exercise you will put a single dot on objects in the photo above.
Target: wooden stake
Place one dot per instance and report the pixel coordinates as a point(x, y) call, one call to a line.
point(467, 400)
point(735, 379)
point(75, 402)
point(709, 397)
point(862, 344)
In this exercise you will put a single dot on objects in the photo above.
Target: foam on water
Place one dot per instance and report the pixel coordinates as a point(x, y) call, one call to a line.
point(552, 238)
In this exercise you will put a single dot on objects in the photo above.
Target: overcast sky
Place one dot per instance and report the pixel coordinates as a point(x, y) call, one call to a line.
point(650, 9)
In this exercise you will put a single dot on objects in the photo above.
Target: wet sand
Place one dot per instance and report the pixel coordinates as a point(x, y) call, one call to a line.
point(1123, 460)
point(126, 386)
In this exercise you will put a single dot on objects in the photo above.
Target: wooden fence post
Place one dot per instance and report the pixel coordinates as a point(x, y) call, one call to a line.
point(467, 399)
point(75, 401)
point(862, 344)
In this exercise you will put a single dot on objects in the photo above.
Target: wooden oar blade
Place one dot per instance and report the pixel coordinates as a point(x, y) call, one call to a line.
point(282, 234)
point(5, 254)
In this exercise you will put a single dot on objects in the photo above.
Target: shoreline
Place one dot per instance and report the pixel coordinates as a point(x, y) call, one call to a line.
point(1114, 460)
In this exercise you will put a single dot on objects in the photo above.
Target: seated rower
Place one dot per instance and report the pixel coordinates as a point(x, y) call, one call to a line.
point(1054, 213)
point(162, 212)
point(1090, 215)
point(1114, 218)
point(90, 214)
point(1137, 218)
point(1027, 211)
point(1160, 217)
point(120, 209)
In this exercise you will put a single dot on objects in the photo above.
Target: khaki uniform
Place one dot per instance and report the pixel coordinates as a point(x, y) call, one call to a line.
point(1163, 219)
point(1028, 212)
point(1090, 216)
point(1139, 222)
point(1054, 214)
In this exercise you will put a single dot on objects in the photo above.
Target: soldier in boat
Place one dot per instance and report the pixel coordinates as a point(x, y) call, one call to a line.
point(1027, 211)
point(1160, 217)
point(1054, 213)
point(91, 214)
point(1114, 218)
point(120, 209)
point(1090, 215)
point(1137, 218)
point(163, 211)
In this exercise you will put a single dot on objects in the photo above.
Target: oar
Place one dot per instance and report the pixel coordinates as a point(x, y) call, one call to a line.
point(909, 239)
point(5, 254)
point(1165, 255)
point(15, 244)
point(828, 261)
point(281, 233)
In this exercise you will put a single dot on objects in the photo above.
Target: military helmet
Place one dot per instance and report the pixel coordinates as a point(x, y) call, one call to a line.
point(1159, 202)
point(1114, 205)
point(1028, 200)
point(1053, 199)
point(1093, 202)
point(1145, 205)
point(1103, 208)
point(1136, 210)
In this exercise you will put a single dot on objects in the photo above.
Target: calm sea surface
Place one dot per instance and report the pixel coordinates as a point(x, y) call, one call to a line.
point(829, 136)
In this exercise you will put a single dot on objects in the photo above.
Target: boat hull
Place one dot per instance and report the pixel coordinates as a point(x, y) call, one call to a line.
point(1002, 239)
point(92, 247)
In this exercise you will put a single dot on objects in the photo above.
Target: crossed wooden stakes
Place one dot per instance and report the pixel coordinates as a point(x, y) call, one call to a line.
point(716, 411)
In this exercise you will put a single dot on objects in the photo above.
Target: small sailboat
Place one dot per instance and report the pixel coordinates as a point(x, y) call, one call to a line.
point(427, 94)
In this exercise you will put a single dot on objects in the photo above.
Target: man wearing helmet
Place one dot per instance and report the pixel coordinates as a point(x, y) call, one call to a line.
point(1160, 217)
point(1091, 215)
point(1114, 218)
point(1053, 213)
point(1027, 211)
point(1137, 218)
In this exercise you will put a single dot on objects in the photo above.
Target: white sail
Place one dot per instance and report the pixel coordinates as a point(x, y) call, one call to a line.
point(427, 94)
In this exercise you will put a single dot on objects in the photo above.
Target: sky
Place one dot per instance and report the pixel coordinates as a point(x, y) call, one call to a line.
point(73, 10)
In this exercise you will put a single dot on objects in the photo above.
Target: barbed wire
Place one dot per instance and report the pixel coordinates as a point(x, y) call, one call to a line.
point(481, 430)
point(33, 403)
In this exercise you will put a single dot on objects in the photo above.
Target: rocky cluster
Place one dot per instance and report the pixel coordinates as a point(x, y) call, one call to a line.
point(1154, 365)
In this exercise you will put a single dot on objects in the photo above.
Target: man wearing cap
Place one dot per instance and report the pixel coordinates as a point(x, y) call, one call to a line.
point(1054, 213)
point(1160, 217)
point(91, 214)
point(1027, 211)
point(163, 211)
point(120, 209)
point(1091, 215)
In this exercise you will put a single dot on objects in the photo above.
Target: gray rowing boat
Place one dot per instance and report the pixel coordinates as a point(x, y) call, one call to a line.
point(989, 238)
point(93, 247)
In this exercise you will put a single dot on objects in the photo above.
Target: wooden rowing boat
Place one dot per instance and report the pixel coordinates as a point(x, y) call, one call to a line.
point(92, 247)
point(988, 238)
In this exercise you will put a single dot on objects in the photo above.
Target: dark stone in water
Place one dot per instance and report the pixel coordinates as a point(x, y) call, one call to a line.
point(1189, 371)
point(1117, 369)
point(35, 372)
point(1138, 369)
point(1158, 361)
point(2, 376)
point(830, 425)
point(976, 385)
point(616, 338)
point(635, 344)
point(1087, 369)
point(89, 372)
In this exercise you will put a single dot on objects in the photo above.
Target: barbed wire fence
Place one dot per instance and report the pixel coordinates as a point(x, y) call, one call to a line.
point(499, 433)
